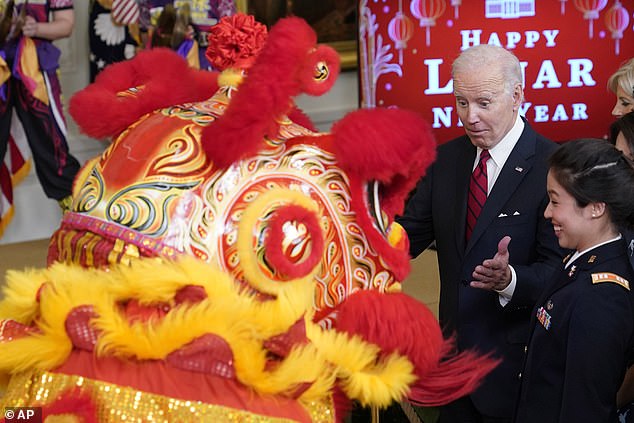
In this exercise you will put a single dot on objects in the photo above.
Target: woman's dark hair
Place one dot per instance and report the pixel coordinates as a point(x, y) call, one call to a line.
point(594, 171)
point(624, 124)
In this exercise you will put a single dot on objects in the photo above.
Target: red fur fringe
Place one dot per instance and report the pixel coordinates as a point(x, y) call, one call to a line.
point(264, 96)
point(392, 146)
point(164, 79)
point(342, 404)
point(398, 260)
point(73, 403)
point(399, 323)
point(298, 116)
point(452, 379)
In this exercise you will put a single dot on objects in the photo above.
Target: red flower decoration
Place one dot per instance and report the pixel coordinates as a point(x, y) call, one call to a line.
point(235, 41)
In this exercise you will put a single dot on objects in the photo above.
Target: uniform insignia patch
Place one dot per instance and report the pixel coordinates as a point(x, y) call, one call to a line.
point(610, 277)
point(543, 317)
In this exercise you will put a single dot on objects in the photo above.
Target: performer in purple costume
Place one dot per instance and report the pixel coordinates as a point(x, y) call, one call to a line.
point(30, 88)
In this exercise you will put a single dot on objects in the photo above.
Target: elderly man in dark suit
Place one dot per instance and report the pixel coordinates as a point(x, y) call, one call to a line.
point(483, 203)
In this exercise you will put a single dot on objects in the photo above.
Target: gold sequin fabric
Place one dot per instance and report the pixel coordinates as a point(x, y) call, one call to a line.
point(116, 403)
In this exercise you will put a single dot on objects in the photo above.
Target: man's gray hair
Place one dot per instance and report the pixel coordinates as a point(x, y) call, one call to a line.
point(484, 55)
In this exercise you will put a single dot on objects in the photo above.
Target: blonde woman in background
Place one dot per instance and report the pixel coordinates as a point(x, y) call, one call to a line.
point(621, 83)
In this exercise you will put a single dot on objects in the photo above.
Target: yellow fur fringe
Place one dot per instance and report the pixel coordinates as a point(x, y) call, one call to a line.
point(243, 321)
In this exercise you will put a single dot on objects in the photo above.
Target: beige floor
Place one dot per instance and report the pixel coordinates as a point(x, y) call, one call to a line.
point(422, 282)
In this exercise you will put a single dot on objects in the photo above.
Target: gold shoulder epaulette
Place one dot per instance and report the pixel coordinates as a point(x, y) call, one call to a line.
point(610, 277)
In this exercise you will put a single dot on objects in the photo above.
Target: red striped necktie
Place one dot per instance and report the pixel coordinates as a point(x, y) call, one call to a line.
point(477, 192)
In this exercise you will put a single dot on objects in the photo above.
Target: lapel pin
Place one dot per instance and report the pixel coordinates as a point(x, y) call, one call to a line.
point(573, 269)
point(592, 259)
point(519, 169)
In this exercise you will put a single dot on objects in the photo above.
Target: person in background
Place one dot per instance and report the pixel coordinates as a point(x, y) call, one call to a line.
point(622, 137)
point(119, 28)
point(583, 325)
point(621, 83)
point(30, 91)
point(622, 134)
point(182, 25)
point(113, 37)
point(495, 248)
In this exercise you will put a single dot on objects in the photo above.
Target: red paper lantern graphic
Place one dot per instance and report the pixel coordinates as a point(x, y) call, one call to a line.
point(616, 19)
point(427, 11)
point(400, 31)
point(456, 6)
point(590, 9)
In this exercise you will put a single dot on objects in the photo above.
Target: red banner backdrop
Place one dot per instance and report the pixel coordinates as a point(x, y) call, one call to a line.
point(568, 50)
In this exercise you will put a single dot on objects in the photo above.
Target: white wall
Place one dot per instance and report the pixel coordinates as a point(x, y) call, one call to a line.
point(36, 217)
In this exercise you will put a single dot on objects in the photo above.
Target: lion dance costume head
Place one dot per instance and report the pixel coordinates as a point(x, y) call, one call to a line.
point(225, 261)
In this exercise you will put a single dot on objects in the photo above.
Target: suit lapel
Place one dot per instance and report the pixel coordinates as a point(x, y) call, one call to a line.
point(464, 163)
point(515, 169)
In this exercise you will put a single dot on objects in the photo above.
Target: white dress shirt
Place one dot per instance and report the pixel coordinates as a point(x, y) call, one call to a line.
point(499, 155)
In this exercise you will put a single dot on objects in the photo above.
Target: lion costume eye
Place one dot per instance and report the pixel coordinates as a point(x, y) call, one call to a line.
point(321, 71)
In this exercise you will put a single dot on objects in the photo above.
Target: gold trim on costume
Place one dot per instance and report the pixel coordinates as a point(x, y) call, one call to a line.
point(115, 403)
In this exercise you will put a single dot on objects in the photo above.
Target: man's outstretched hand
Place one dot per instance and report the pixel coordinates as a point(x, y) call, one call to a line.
point(494, 273)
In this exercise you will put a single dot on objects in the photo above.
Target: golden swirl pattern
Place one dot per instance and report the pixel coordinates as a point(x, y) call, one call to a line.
point(182, 158)
point(313, 172)
point(189, 113)
point(149, 198)
point(135, 207)
point(91, 192)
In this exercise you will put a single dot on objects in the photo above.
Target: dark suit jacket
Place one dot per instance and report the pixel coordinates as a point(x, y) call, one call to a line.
point(515, 207)
point(579, 346)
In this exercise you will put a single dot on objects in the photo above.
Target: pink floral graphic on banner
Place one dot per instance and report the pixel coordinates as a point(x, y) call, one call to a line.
point(375, 58)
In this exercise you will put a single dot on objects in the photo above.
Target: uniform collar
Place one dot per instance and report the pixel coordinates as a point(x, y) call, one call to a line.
point(575, 256)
